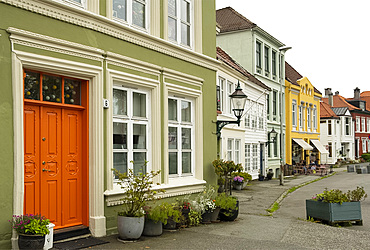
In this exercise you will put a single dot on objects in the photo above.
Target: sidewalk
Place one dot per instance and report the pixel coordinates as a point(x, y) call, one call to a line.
point(250, 228)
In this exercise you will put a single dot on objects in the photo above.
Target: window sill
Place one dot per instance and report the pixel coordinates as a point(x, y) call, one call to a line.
point(176, 186)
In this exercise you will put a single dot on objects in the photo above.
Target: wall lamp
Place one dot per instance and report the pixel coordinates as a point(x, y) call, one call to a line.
point(272, 136)
point(238, 100)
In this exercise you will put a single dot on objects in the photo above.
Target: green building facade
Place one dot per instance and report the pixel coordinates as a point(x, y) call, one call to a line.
point(88, 86)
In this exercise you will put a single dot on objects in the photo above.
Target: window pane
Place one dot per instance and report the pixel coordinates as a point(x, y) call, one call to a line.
point(186, 138)
point(119, 135)
point(139, 105)
point(172, 110)
point(186, 162)
point(51, 88)
point(172, 29)
point(185, 34)
point(172, 7)
point(120, 162)
point(72, 91)
point(172, 162)
point(32, 86)
point(172, 138)
point(120, 9)
point(139, 162)
point(185, 11)
point(119, 102)
point(185, 111)
point(138, 14)
point(139, 136)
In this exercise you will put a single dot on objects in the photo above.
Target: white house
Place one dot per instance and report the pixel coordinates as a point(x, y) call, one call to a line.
point(243, 144)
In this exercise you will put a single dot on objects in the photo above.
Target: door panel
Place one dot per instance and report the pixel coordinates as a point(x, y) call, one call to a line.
point(51, 159)
point(31, 159)
point(72, 173)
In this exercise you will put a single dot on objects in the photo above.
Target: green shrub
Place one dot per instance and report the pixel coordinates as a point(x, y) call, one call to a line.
point(366, 157)
point(337, 196)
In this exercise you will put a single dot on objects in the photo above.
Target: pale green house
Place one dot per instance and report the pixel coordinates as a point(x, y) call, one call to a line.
point(88, 86)
point(259, 53)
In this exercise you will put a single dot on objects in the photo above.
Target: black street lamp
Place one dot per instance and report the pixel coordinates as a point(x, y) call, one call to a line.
point(271, 136)
point(238, 100)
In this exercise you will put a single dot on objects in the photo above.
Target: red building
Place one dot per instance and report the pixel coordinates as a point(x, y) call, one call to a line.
point(360, 113)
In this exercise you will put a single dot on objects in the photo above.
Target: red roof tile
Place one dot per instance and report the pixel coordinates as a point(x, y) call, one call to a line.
point(224, 57)
point(339, 102)
point(230, 20)
point(326, 111)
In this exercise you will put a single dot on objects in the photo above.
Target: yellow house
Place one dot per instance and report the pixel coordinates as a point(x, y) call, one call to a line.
point(302, 109)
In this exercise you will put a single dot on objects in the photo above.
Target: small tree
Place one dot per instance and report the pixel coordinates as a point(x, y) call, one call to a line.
point(224, 169)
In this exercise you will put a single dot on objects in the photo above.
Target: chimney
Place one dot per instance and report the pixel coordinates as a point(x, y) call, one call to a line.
point(356, 94)
point(327, 91)
point(330, 97)
point(336, 92)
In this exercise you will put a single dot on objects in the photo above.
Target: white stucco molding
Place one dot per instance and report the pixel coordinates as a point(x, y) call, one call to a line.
point(113, 28)
point(94, 74)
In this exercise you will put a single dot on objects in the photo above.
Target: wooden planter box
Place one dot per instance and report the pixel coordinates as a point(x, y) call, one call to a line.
point(334, 212)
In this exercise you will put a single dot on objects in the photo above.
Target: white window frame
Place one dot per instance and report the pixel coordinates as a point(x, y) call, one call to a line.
point(364, 139)
point(363, 127)
point(83, 3)
point(275, 105)
point(129, 14)
point(132, 120)
point(368, 124)
point(237, 151)
point(221, 84)
point(261, 116)
point(347, 125)
point(314, 117)
point(301, 117)
point(259, 57)
point(230, 149)
point(179, 125)
point(309, 118)
point(254, 156)
point(358, 124)
point(230, 89)
point(179, 21)
point(247, 158)
point(294, 114)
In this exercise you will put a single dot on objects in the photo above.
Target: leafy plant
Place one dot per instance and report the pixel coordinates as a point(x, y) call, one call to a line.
point(138, 190)
point(205, 200)
point(225, 202)
point(337, 196)
point(224, 169)
point(30, 224)
point(163, 212)
point(357, 195)
point(194, 218)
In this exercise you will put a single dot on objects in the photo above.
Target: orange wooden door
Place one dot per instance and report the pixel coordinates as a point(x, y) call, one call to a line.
point(53, 165)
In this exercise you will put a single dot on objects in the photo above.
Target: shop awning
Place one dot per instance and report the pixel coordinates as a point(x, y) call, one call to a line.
point(319, 146)
point(303, 144)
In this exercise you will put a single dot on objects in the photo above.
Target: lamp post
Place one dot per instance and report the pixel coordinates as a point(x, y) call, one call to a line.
point(238, 100)
point(281, 80)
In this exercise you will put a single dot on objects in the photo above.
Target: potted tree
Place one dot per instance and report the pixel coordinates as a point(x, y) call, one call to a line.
point(335, 206)
point(31, 230)
point(138, 190)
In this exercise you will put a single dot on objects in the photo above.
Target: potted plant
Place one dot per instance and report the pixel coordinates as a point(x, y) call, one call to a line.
point(138, 190)
point(335, 206)
point(204, 203)
point(229, 207)
point(173, 215)
point(269, 175)
point(224, 169)
point(31, 230)
point(238, 182)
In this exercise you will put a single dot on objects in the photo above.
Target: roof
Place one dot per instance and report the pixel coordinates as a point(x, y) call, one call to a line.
point(224, 57)
point(292, 76)
point(365, 96)
point(326, 111)
point(231, 20)
point(340, 102)
point(340, 111)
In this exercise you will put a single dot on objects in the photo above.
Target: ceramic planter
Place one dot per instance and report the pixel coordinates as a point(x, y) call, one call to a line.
point(130, 228)
point(26, 241)
point(334, 212)
point(152, 228)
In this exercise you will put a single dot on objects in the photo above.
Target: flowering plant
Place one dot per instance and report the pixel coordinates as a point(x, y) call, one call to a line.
point(238, 180)
point(337, 196)
point(30, 224)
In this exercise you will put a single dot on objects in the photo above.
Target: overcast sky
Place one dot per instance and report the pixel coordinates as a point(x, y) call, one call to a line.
point(329, 38)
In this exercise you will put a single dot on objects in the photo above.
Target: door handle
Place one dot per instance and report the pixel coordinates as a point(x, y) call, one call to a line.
point(46, 170)
point(43, 162)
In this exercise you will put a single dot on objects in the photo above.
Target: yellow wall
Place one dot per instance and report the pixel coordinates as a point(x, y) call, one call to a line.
point(303, 93)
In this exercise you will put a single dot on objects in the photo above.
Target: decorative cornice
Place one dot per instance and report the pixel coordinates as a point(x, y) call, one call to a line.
point(112, 28)
point(53, 44)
